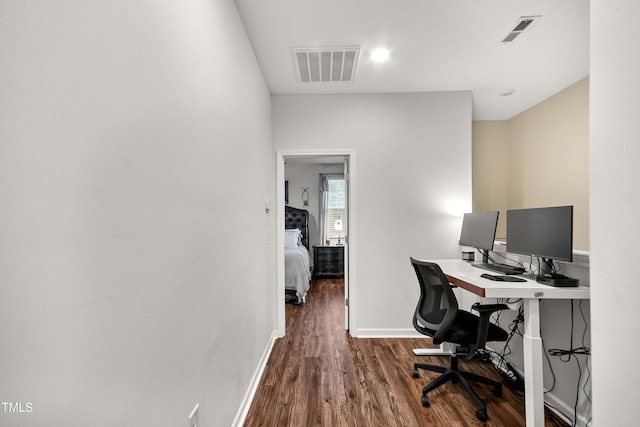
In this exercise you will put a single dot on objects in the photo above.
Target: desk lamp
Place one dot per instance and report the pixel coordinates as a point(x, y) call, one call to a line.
point(338, 227)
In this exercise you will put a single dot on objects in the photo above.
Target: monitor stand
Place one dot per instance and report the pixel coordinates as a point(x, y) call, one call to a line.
point(546, 266)
point(548, 277)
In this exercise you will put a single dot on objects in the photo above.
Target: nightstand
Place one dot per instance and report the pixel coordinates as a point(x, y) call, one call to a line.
point(328, 261)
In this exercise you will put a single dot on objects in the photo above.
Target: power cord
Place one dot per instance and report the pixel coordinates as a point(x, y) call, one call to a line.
point(562, 353)
point(565, 355)
point(503, 257)
point(511, 378)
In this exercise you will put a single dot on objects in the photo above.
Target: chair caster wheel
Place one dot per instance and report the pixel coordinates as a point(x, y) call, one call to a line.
point(425, 401)
point(497, 391)
point(415, 373)
point(482, 414)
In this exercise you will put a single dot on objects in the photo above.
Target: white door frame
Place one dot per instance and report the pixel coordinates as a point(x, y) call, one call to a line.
point(350, 264)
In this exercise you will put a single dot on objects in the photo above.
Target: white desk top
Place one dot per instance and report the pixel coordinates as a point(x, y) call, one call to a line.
point(463, 274)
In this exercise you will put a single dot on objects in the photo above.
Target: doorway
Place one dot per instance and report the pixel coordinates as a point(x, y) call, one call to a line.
point(347, 158)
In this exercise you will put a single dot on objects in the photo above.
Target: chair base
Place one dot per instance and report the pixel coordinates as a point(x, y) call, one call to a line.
point(457, 376)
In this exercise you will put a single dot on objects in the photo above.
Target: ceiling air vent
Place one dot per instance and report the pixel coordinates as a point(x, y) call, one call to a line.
point(318, 65)
point(523, 23)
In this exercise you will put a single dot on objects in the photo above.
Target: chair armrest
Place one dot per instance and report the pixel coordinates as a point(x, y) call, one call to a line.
point(488, 308)
point(485, 311)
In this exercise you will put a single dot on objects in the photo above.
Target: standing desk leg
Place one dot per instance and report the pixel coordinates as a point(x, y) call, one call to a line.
point(532, 349)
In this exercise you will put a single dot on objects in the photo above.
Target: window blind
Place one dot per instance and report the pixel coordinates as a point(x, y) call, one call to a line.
point(335, 207)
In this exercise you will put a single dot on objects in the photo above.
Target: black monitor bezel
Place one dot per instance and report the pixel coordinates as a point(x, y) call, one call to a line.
point(531, 249)
point(484, 218)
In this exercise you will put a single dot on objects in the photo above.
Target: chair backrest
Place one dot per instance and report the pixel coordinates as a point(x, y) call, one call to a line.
point(437, 307)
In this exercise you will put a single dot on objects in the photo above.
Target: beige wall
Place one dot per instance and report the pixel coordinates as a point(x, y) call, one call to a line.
point(542, 157)
point(490, 175)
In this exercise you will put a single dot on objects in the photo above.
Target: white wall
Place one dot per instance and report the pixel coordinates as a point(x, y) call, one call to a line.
point(135, 277)
point(413, 184)
point(615, 202)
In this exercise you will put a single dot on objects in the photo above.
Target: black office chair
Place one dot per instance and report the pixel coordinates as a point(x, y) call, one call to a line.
point(437, 316)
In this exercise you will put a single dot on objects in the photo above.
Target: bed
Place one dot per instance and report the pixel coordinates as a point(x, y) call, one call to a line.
point(298, 263)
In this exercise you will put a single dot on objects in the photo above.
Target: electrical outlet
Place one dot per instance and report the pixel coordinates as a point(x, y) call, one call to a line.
point(194, 416)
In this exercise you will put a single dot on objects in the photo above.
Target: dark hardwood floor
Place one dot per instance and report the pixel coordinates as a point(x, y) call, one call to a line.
point(317, 375)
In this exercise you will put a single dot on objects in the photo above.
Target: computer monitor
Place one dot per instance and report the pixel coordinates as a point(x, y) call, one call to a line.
point(546, 233)
point(479, 231)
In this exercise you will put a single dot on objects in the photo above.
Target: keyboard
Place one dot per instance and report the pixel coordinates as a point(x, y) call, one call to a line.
point(502, 278)
point(499, 268)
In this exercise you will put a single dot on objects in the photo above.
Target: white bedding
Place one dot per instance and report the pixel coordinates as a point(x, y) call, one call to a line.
point(297, 270)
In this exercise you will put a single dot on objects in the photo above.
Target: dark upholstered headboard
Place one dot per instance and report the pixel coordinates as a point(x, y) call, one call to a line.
point(297, 218)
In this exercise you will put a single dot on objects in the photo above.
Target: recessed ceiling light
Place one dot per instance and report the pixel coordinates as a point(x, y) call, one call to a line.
point(380, 54)
point(507, 92)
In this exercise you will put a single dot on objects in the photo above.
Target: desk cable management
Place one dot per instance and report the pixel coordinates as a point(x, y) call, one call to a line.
point(556, 269)
point(565, 355)
point(513, 379)
point(506, 258)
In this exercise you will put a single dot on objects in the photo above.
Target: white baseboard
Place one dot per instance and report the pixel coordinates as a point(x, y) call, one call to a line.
point(564, 410)
point(387, 333)
point(241, 415)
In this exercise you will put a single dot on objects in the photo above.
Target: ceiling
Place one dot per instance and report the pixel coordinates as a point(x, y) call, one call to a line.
point(435, 45)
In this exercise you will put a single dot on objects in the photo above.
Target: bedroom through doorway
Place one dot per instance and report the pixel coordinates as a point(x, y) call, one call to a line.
point(320, 183)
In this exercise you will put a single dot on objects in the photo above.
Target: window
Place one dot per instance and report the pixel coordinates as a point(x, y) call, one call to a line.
point(335, 207)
